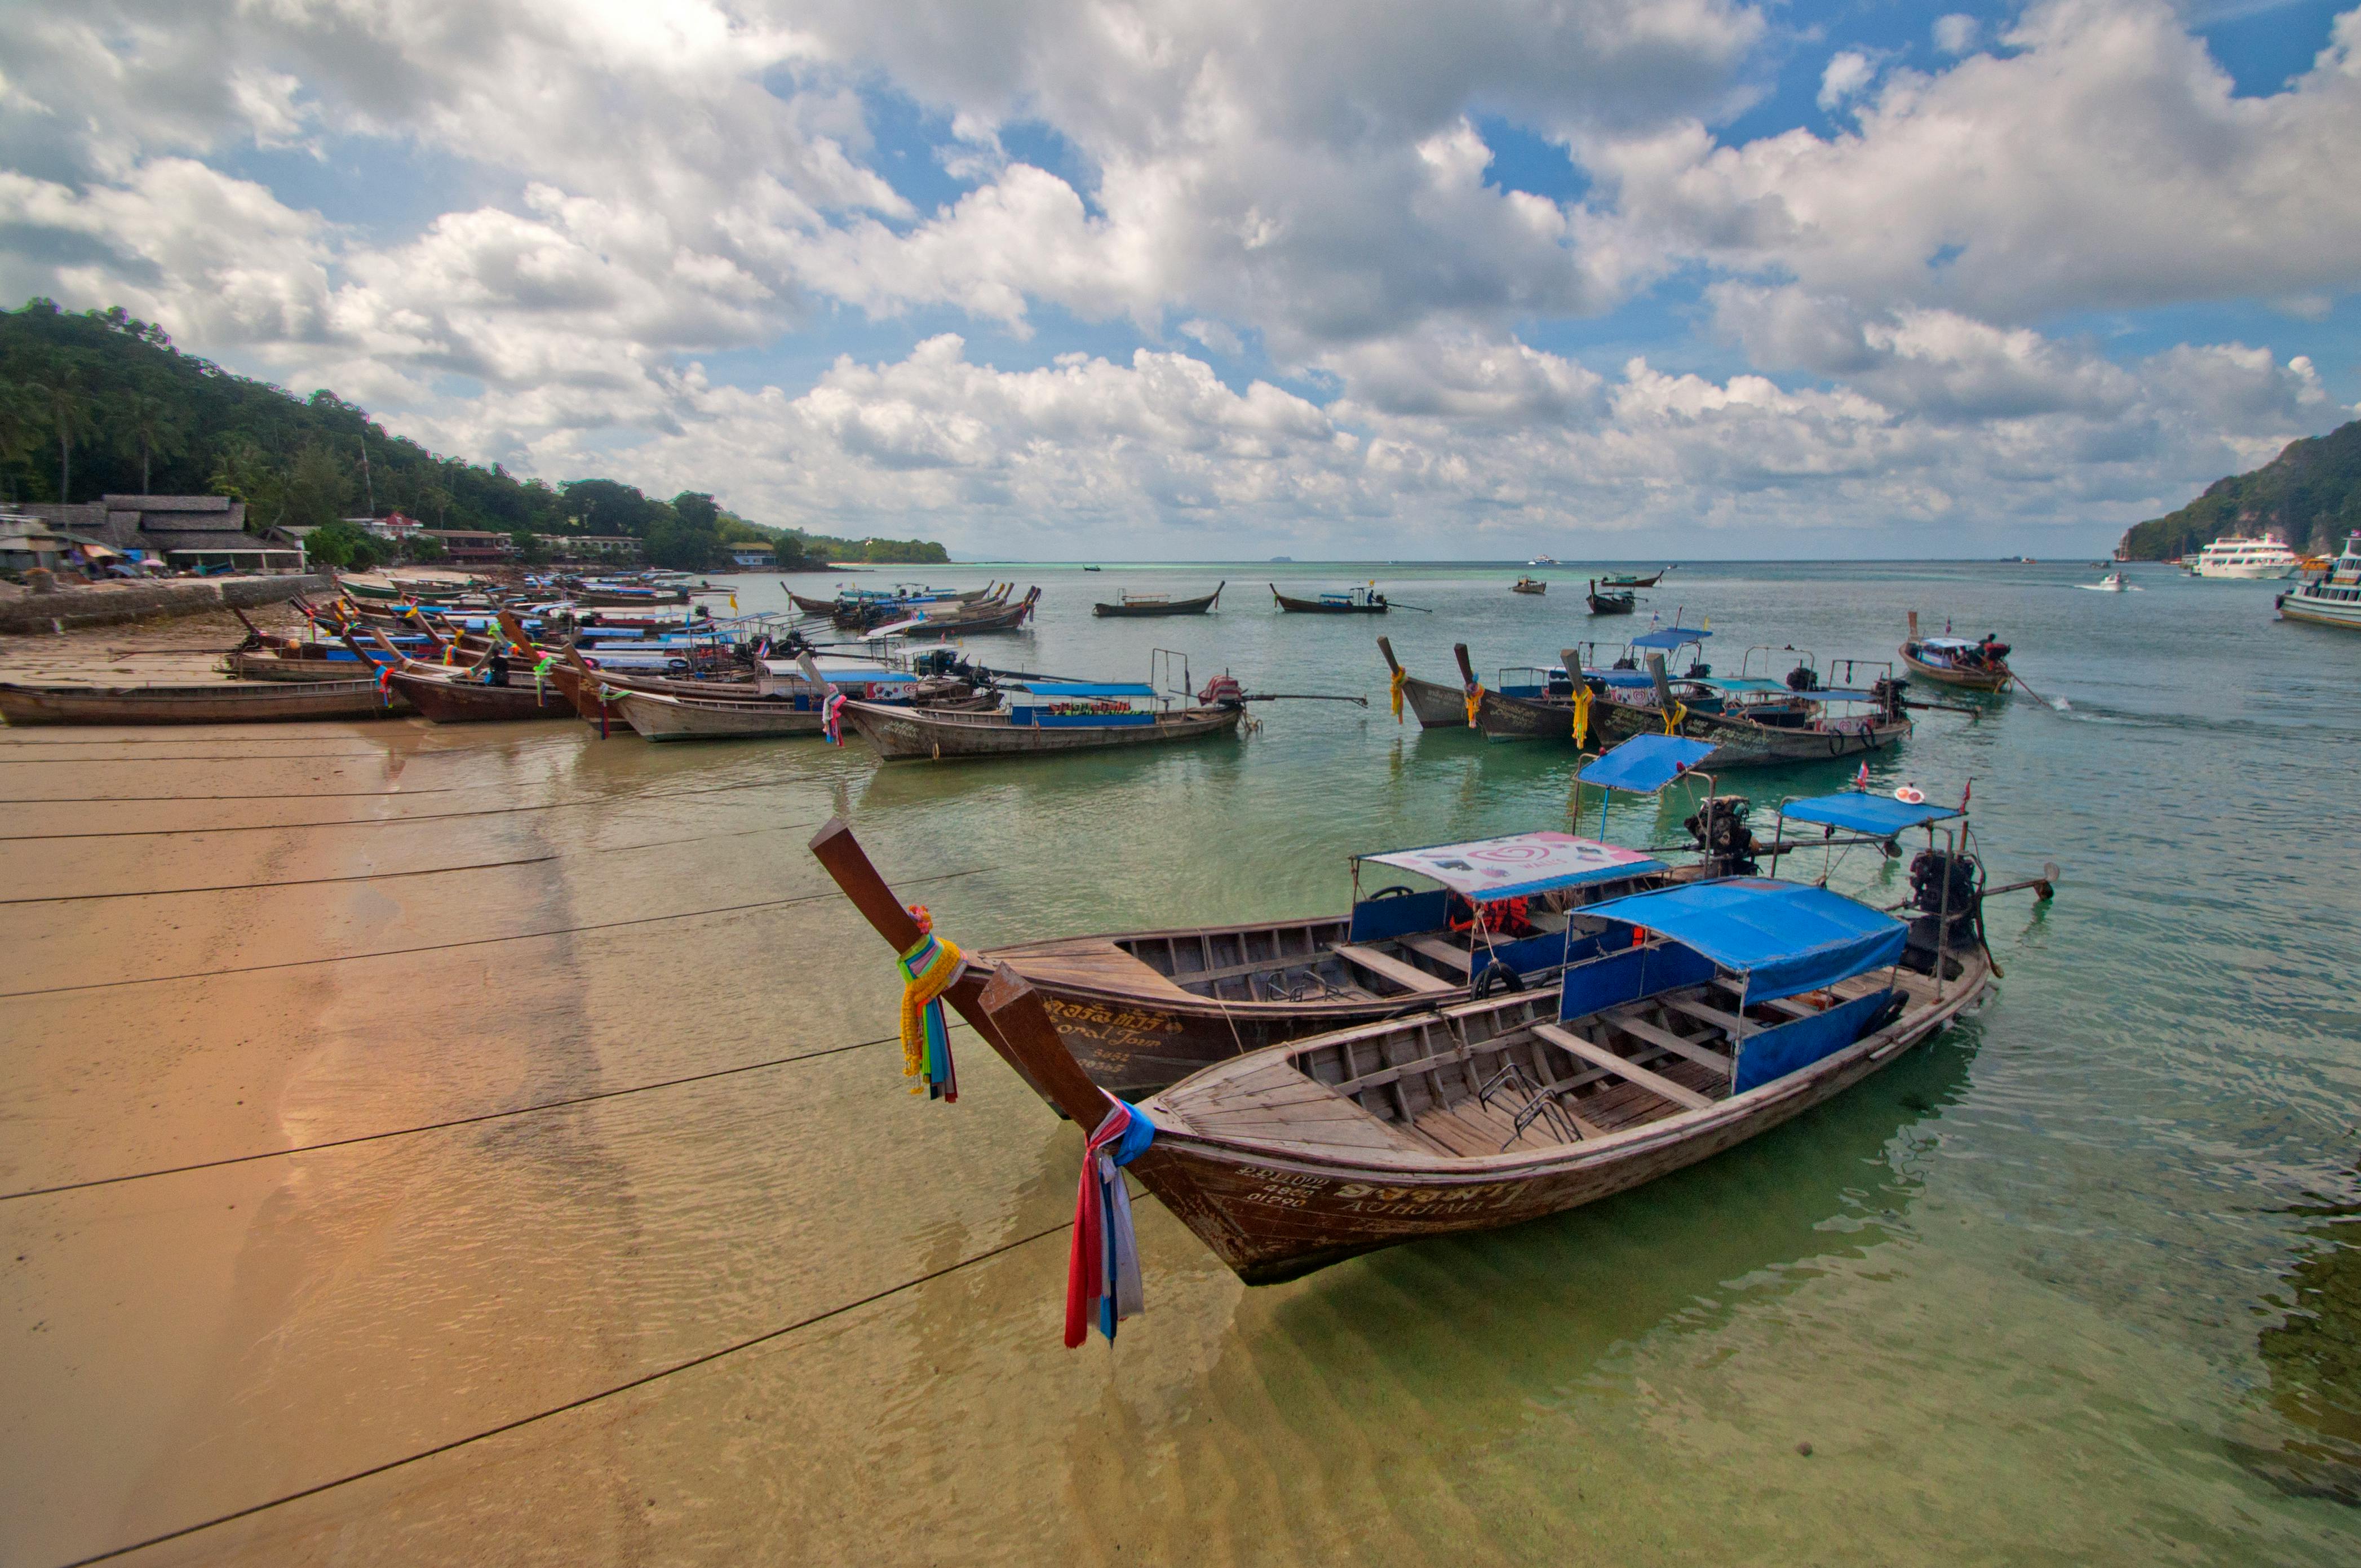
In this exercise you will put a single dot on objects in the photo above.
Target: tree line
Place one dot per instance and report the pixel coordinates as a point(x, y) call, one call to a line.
point(100, 403)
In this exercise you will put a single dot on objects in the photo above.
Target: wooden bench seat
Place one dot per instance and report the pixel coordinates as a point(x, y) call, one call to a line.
point(1410, 977)
point(1440, 952)
point(1621, 1067)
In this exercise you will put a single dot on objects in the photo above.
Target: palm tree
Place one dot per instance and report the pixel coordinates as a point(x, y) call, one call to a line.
point(65, 402)
point(151, 426)
point(20, 421)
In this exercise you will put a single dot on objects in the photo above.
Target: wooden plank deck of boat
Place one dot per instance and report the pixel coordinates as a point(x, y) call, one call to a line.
point(1276, 1101)
point(1093, 962)
point(1408, 976)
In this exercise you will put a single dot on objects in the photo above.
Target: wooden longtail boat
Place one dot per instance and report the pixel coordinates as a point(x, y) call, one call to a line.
point(1611, 603)
point(1628, 580)
point(901, 734)
point(448, 700)
point(289, 664)
point(1529, 585)
point(1505, 715)
point(1144, 1009)
point(1789, 727)
point(1971, 665)
point(1134, 605)
point(1438, 707)
point(219, 701)
point(1352, 601)
point(659, 716)
point(999, 618)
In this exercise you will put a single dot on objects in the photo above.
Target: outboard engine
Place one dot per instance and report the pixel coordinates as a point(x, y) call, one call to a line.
point(1626, 662)
point(1721, 835)
point(1946, 890)
point(1887, 692)
point(1699, 670)
point(1559, 683)
point(1223, 691)
point(1803, 678)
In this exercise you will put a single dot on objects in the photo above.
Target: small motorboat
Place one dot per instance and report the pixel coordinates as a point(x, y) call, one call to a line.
point(1610, 602)
point(1529, 585)
point(2113, 583)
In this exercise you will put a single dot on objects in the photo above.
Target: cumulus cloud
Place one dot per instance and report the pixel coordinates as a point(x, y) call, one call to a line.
point(1957, 33)
point(625, 191)
point(1848, 75)
point(2107, 163)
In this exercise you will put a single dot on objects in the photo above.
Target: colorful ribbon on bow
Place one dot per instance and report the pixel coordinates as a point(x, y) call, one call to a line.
point(548, 662)
point(1581, 707)
point(1400, 679)
point(832, 718)
point(927, 970)
point(1673, 719)
point(385, 683)
point(1474, 701)
point(1102, 1264)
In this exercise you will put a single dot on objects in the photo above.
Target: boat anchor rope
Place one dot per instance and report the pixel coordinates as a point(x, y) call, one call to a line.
point(928, 970)
point(1103, 1284)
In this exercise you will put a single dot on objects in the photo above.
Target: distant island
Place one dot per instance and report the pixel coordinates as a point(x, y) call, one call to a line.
point(2308, 496)
point(100, 403)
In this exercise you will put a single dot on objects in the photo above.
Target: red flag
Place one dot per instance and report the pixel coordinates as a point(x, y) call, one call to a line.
point(1966, 790)
point(1860, 779)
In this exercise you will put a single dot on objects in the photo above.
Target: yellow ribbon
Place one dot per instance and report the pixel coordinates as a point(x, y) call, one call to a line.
point(1394, 688)
point(921, 987)
point(1581, 709)
point(1474, 701)
point(1673, 719)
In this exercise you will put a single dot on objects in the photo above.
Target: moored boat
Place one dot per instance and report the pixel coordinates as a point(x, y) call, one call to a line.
point(1438, 705)
point(1042, 717)
point(1143, 1009)
point(1711, 1014)
point(1134, 605)
point(1757, 724)
point(1611, 602)
point(1630, 580)
point(1350, 601)
point(2333, 599)
point(2246, 558)
point(216, 702)
point(1529, 585)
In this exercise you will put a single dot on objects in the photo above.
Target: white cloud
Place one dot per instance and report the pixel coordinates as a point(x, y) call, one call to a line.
point(2107, 163)
point(628, 189)
point(1848, 75)
point(1957, 33)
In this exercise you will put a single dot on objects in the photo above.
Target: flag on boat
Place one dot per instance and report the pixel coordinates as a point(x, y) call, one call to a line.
point(1860, 779)
point(1103, 1284)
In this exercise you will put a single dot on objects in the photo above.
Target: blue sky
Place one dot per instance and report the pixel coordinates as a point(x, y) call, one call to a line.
point(1049, 277)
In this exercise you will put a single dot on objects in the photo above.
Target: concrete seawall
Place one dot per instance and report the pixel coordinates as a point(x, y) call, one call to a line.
point(106, 604)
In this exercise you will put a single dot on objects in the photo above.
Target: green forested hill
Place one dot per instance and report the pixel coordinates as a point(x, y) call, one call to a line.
point(2310, 496)
point(99, 402)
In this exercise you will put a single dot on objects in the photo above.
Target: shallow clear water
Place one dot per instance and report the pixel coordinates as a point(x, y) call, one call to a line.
point(2076, 1282)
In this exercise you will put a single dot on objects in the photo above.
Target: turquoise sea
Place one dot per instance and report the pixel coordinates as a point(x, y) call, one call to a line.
point(2078, 1282)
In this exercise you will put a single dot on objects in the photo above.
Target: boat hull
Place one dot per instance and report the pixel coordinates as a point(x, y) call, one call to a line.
point(228, 702)
point(2345, 613)
point(467, 702)
point(701, 719)
point(1317, 607)
point(252, 666)
point(1274, 1218)
point(1958, 679)
point(905, 734)
point(1522, 718)
point(1175, 607)
point(1739, 742)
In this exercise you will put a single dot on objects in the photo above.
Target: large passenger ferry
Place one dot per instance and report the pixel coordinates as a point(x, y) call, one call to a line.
point(2246, 558)
point(2332, 600)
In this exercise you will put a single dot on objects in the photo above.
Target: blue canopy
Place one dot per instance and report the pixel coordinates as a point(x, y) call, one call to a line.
point(1670, 637)
point(1059, 690)
point(1783, 937)
point(1646, 763)
point(1879, 816)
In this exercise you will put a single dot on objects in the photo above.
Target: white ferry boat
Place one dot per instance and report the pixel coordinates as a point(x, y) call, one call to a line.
point(2246, 558)
point(2333, 599)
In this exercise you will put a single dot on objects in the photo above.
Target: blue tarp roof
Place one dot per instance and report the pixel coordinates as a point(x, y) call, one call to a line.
point(1880, 815)
point(1785, 937)
point(1057, 690)
point(1670, 637)
point(1646, 763)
